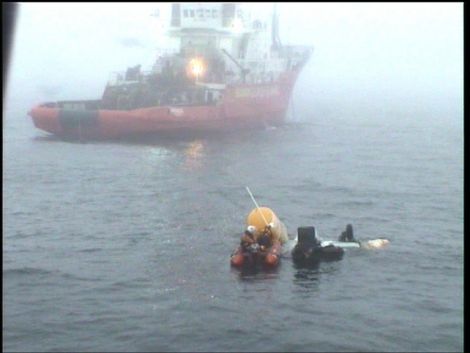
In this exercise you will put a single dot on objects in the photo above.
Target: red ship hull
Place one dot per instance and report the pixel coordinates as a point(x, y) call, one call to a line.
point(242, 106)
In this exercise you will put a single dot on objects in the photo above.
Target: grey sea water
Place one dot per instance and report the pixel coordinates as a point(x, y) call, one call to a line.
point(124, 246)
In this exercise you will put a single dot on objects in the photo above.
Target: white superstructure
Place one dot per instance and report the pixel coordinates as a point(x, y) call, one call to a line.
point(229, 31)
point(224, 43)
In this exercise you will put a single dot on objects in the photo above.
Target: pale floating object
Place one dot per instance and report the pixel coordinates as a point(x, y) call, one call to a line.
point(376, 243)
point(341, 244)
point(369, 244)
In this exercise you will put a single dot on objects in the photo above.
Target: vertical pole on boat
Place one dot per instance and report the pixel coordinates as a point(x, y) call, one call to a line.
point(256, 204)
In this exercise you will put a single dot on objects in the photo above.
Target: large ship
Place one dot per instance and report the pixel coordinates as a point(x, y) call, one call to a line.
point(227, 70)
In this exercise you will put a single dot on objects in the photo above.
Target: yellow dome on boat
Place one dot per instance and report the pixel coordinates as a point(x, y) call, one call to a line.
point(263, 216)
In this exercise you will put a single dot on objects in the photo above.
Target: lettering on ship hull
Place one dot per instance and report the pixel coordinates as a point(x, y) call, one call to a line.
point(176, 111)
point(258, 92)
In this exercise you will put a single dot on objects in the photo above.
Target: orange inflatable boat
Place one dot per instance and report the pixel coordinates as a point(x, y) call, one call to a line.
point(264, 221)
point(270, 258)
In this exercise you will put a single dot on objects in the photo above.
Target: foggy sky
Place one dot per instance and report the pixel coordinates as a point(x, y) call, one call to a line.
point(384, 53)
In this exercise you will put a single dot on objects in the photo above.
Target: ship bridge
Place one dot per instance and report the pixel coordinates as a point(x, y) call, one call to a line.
point(225, 18)
point(205, 28)
point(224, 32)
point(219, 44)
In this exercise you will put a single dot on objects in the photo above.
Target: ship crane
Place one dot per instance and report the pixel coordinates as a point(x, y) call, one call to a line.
point(244, 71)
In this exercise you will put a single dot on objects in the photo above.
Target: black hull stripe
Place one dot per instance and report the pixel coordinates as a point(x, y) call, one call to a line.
point(71, 120)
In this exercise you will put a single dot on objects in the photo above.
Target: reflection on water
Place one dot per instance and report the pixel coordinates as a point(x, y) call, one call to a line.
point(256, 273)
point(157, 154)
point(194, 155)
point(309, 276)
point(57, 139)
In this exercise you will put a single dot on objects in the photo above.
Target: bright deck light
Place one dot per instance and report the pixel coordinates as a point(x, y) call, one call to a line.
point(196, 67)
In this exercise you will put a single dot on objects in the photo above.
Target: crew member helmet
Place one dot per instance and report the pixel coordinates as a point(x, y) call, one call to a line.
point(251, 229)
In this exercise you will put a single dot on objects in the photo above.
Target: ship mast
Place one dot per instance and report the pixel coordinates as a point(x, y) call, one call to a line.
point(276, 41)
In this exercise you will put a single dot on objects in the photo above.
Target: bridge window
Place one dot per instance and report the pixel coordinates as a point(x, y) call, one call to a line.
point(185, 12)
point(214, 13)
point(257, 24)
point(191, 13)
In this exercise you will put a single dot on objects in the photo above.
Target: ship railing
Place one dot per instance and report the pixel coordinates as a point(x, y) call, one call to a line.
point(119, 78)
point(212, 86)
point(115, 78)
